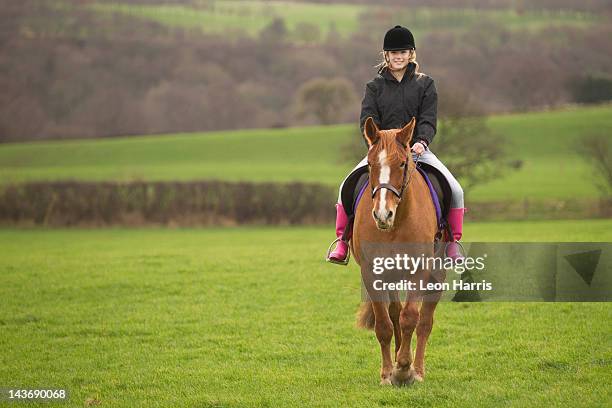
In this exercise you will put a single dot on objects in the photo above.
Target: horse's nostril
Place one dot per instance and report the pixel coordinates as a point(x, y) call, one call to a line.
point(390, 214)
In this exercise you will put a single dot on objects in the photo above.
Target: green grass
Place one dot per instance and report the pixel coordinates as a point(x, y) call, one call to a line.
point(309, 154)
point(427, 20)
point(544, 141)
point(250, 16)
point(212, 318)
point(540, 231)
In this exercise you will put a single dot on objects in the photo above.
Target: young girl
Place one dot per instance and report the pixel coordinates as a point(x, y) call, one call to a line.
point(398, 93)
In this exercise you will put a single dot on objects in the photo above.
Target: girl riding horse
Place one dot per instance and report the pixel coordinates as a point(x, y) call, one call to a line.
point(396, 95)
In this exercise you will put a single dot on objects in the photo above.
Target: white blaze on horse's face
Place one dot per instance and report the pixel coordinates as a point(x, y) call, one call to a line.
point(385, 205)
point(387, 156)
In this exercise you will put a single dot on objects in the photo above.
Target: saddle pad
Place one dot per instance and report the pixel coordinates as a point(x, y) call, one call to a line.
point(362, 184)
point(440, 186)
point(434, 196)
point(352, 186)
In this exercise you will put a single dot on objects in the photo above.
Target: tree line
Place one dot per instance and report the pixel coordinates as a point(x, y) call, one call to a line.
point(72, 73)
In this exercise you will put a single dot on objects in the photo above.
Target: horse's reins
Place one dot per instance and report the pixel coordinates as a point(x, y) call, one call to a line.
point(405, 179)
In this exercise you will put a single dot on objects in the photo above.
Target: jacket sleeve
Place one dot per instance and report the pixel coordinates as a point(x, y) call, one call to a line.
point(428, 115)
point(369, 107)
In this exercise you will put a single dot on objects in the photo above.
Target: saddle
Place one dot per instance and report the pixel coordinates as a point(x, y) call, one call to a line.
point(440, 191)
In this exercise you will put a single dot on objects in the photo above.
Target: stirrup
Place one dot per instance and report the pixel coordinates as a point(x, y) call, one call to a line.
point(462, 252)
point(335, 261)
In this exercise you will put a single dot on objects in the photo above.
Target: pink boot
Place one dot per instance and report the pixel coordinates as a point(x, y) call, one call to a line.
point(341, 254)
point(455, 220)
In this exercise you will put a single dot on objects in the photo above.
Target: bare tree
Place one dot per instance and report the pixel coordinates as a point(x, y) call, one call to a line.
point(596, 149)
point(465, 143)
point(469, 148)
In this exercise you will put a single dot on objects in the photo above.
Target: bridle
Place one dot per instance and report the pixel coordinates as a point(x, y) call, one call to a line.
point(405, 178)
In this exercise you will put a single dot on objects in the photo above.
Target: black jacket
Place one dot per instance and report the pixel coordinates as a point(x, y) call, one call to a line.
point(392, 104)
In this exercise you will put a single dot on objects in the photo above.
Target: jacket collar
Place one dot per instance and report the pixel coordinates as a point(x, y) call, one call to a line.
point(410, 70)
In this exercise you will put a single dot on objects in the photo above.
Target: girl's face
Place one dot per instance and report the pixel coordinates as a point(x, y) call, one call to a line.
point(398, 60)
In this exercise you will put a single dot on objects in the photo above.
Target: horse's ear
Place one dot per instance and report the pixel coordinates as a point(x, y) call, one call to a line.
point(404, 136)
point(370, 131)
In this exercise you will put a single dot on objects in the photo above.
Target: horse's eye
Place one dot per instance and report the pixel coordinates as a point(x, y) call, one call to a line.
point(402, 165)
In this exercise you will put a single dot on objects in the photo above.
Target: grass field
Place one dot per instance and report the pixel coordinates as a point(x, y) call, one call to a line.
point(213, 318)
point(251, 16)
point(543, 141)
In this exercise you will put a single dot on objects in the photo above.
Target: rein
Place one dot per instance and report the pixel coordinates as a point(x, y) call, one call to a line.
point(405, 179)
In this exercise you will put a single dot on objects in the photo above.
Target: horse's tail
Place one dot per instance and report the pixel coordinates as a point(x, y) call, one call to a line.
point(365, 316)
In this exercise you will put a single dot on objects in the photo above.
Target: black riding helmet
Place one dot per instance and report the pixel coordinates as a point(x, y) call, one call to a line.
point(398, 38)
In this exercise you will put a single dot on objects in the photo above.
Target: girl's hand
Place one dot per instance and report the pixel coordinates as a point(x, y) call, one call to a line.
point(418, 148)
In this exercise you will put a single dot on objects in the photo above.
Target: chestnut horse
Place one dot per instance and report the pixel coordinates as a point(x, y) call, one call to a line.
point(398, 210)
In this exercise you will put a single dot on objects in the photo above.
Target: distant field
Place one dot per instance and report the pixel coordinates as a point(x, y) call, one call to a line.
point(214, 318)
point(251, 16)
point(247, 16)
point(546, 143)
point(542, 140)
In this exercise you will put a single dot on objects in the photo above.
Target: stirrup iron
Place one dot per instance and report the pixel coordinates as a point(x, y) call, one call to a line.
point(462, 252)
point(335, 261)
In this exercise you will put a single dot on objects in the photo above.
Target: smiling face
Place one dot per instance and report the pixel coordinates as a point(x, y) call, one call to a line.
point(387, 156)
point(398, 60)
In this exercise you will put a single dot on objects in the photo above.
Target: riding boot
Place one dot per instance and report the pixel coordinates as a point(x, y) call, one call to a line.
point(340, 255)
point(455, 220)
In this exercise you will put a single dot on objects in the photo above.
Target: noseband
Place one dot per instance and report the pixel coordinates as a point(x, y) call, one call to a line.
point(405, 179)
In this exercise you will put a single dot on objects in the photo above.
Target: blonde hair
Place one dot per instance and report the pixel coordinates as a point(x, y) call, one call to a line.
point(385, 61)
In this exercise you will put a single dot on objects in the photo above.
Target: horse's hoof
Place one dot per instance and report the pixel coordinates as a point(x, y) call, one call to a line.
point(419, 374)
point(385, 381)
point(403, 376)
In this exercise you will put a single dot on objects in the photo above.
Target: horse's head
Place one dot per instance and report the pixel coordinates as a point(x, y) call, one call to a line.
point(390, 161)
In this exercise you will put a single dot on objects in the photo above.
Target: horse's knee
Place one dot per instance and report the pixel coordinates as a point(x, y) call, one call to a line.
point(395, 308)
point(409, 317)
point(384, 330)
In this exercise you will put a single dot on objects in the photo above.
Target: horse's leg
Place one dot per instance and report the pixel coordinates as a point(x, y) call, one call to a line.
point(383, 327)
point(423, 330)
point(395, 308)
point(403, 373)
